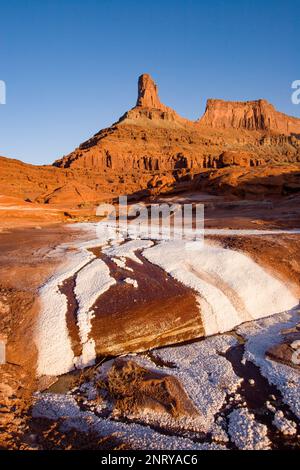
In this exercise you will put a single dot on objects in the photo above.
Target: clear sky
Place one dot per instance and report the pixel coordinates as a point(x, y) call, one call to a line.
point(71, 66)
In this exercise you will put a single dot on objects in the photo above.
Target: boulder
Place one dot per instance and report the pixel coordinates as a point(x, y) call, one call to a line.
point(288, 350)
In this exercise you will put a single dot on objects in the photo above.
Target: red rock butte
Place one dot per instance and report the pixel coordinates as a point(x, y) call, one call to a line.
point(148, 93)
point(251, 115)
point(151, 147)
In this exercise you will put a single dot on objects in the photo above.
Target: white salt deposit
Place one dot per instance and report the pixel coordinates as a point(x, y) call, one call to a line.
point(54, 406)
point(261, 336)
point(120, 262)
point(55, 355)
point(209, 380)
point(219, 434)
point(133, 282)
point(92, 281)
point(286, 426)
point(246, 432)
point(226, 280)
point(206, 375)
point(270, 406)
point(127, 249)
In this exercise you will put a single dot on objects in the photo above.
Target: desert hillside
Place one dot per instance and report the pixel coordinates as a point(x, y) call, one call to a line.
point(152, 148)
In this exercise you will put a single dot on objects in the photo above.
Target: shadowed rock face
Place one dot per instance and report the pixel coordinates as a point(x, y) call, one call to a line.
point(243, 159)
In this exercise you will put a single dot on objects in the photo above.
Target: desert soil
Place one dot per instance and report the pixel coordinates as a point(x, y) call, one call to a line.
point(27, 260)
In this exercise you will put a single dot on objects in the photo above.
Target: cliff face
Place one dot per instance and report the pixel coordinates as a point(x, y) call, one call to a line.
point(151, 137)
point(149, 111)
point(251, 115)
point(148, 93)
point(151, 146)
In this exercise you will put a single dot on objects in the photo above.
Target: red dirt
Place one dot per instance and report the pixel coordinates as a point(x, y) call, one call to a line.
point(25, 266)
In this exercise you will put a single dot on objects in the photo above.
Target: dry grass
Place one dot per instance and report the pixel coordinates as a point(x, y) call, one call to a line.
point(136, 389)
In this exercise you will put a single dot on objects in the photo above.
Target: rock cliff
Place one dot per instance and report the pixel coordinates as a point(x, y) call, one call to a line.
point(152, 137)
point(152, 147)
point(148, 93)
point(251, 115)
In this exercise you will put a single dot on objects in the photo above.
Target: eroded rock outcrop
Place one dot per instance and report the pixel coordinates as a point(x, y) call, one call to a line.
point(152, 137)
point(234, 158)
point(151, 143)
point(251, 182)
point(148, 93)
point(251, 115)
point(288, 350)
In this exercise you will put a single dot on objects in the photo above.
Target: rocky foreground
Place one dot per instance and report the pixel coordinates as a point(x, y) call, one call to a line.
point(209, 338)
point(237, 388)
point(219, 393)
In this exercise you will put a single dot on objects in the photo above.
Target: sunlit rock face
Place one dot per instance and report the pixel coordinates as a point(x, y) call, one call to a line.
point(148, 93)
point(152, 137)
point(152, 143)
point(256, 115)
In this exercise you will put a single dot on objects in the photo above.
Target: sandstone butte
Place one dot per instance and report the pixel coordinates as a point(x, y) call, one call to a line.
point(151, 150)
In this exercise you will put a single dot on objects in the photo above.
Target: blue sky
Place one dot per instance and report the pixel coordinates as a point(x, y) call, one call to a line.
point(71, 66)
